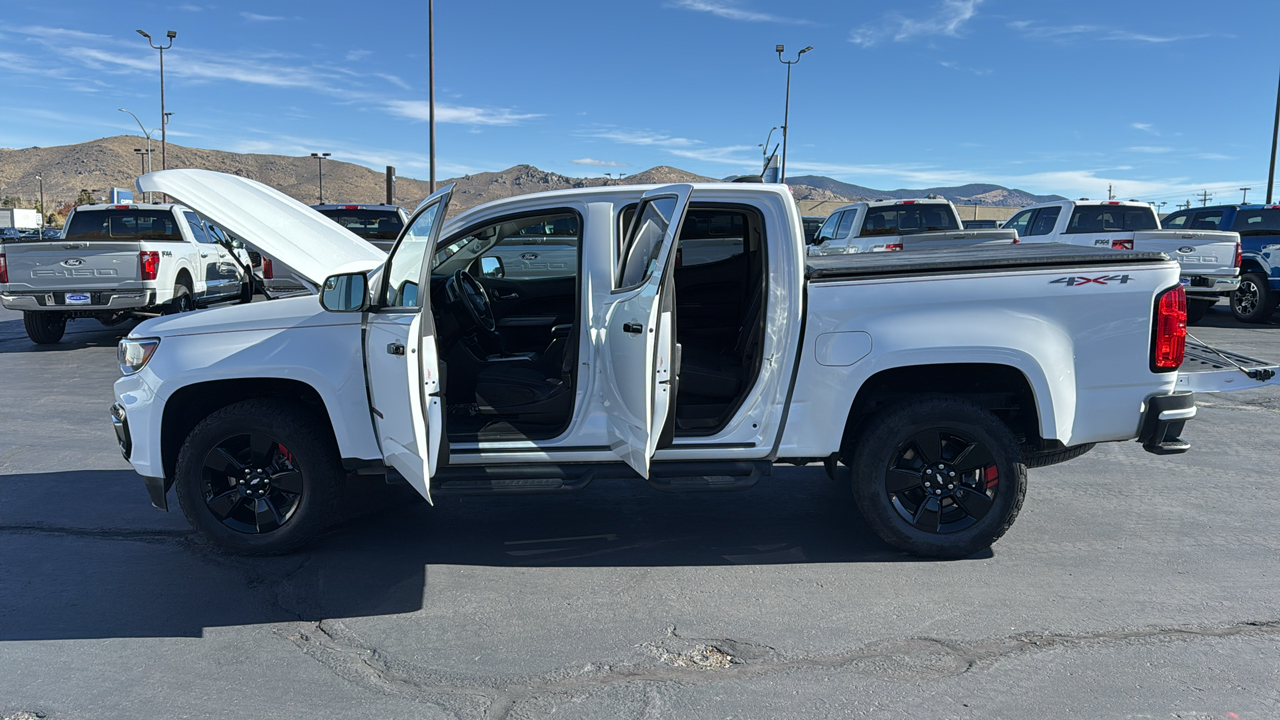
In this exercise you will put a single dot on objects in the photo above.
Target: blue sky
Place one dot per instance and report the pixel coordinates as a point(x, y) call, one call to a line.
point(1160, 99)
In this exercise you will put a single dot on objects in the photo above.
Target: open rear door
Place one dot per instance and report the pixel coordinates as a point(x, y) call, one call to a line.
point(401, 361)
point(639, 340)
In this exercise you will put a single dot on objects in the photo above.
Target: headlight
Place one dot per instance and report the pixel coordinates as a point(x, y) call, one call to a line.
point(134, 353)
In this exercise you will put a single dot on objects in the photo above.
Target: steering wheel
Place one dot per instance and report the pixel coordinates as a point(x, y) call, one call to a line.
point(466, 291)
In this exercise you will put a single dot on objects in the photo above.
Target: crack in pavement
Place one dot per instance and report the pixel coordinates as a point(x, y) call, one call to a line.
point(332, 644)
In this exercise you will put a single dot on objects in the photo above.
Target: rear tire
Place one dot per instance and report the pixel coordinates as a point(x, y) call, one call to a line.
point(1198, 308)
point(259, 477)
point(976, 480)
point(44, 328)
point(182, 301)
point(1254, 301)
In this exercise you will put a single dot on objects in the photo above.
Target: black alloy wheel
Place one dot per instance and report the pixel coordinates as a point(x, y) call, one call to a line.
point(937, 476)
point(1253, 301)
point(251, 483)
point(942, 481)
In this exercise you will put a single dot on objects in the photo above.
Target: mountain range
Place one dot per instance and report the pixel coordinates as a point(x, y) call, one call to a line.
point(99, 165)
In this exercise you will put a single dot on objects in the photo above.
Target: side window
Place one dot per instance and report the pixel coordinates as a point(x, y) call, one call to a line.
point(828, 229)
point(1045, 220)
point(1176, 222)
point(846, 224)
point(197, 228)
point(534, 248)
point(1020, 222)
point(710, 236)
point(644, 242)
point(404, 267)
point(1261, 221)
point(1206, 220)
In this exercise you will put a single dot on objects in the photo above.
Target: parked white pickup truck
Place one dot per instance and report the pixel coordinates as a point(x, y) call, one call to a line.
point(117, 261)
point(937, 376)
point(885, 225)
point(1210, 259)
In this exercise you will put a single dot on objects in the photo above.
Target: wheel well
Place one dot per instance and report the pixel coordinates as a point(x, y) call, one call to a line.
point(1002, 389)
point(193, 403)
point(1249, 265)
point(184, 278)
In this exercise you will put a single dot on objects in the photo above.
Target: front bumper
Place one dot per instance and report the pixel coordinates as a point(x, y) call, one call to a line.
point(57, 300)
point(157, 487)
point(1163, 422)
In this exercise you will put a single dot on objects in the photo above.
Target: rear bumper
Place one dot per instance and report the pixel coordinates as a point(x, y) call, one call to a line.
point(1163, 422)
point(1210, 286)
point(99, 300)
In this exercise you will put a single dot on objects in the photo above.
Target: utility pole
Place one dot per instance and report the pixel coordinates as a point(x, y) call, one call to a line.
point(786, 108)
point(40, 178)
point(320, 158)
point(1244, 198)
point(1110, 195)
point(431, 87)
point(164, 116)
point(1275, 133)
point(1205, 197)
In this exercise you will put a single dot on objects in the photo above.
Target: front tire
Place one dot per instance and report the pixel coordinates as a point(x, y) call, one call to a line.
point(259, 477)
point(938, 477)
point(1198, 308)
point(44, 328)
point(1254, 301)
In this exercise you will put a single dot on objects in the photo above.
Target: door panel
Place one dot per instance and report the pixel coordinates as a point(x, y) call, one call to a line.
point(401, 361)
point(638, 339)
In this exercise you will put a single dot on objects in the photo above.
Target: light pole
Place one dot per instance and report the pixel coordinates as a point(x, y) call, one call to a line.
point(786, 110)
point(320, 158)
point(431, 88)
point(1275, 134)
point(40, 179)
point(164, 116)
point(1244, 196)
point(764, 150)
point(608, 178)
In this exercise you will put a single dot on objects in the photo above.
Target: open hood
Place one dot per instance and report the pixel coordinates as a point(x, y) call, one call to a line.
point(310, 243)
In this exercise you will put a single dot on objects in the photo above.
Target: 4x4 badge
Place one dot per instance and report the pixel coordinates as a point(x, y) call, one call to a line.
point(1073, 280)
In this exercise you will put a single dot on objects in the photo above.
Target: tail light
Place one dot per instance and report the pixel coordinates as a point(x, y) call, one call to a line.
point(149, 261)
point(1122, 244)
point(1169, 343)
point(4, 269)
point(893, 246)
point(1239, 257)
point(268, 272)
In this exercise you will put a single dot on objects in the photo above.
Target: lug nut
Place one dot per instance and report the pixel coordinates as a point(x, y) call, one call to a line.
point(937, 492)
point(926, 483)
point(952, 473)
point(951, 487)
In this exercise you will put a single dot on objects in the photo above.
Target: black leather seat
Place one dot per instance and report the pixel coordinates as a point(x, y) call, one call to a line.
point(526, 389)
point(718, 375)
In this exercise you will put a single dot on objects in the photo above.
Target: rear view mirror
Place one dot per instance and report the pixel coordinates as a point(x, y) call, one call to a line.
point(345, 293)
point(491, 267)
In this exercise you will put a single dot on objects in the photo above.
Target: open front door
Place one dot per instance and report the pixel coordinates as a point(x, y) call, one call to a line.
point(639, 340)
point(401, 362)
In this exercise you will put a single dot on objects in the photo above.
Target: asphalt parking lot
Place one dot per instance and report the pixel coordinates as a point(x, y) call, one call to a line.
point(1131, 586)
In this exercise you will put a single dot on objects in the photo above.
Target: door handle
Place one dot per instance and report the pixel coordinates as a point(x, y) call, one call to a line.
point(204, 254)
point(633, 328)
point(512, 296)
point(395, 348)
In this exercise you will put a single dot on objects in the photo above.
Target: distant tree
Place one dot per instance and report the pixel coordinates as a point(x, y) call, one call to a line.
point(55, 220)
point(10, 201)
point(85, 198)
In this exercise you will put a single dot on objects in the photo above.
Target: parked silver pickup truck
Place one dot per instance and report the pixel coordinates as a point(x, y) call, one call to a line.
point(888, 225)
point(117, 261)
point(1210, 259)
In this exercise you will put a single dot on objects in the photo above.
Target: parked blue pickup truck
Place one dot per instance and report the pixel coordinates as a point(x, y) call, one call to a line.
point(1259, 228)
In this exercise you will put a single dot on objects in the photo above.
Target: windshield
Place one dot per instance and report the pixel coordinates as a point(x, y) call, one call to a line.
point(123, 225)
point(1109, 218)
point(908, 219)
point(368, 224)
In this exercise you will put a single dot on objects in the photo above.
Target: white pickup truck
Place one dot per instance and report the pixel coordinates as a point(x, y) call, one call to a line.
point(670, 351)
point(117, 261)
point(1210, 259)
point(886, 225)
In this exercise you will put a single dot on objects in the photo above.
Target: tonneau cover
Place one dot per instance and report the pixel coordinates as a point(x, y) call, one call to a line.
point(969, 259)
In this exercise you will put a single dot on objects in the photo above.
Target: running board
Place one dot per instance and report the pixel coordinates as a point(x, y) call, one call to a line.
point(511, 479)
point(707, 476)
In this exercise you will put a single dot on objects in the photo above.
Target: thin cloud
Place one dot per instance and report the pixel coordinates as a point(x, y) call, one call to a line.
point(458, 114)
point(255, 17)
point(947, 20)
point(730, 11)
point(599, 163)
point(353, 55)
point(1070, 33)
point(1144, 127)
point(735, 155)
point(1150, 149)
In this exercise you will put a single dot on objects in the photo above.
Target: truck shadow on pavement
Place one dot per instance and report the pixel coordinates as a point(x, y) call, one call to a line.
point(80, 334)
point(83, 555)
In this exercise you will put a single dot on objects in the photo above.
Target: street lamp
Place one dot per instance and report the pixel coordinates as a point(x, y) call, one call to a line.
point(1244, 198)
point(320, 158)
point(164, 116)
point(142, 127)
point(764, 149)
point(40, 178)
point(786, 112)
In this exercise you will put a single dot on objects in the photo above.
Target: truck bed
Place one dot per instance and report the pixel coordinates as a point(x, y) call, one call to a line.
point(961, 260)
